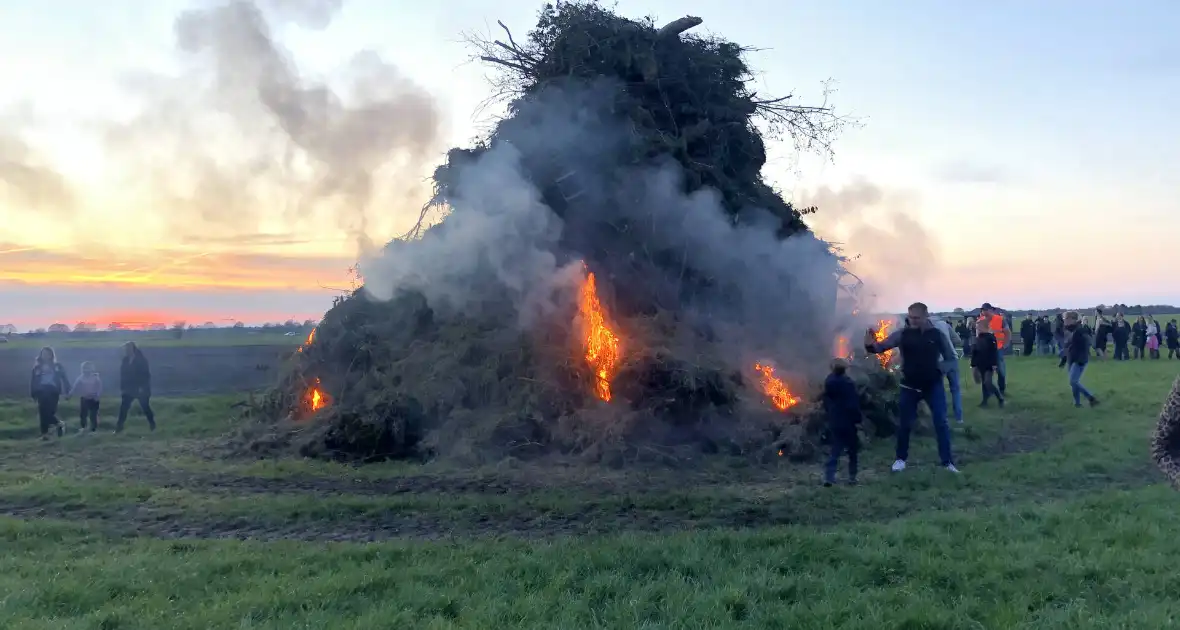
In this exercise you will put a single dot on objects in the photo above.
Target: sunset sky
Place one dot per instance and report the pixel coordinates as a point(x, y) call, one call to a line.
point(1016, 152)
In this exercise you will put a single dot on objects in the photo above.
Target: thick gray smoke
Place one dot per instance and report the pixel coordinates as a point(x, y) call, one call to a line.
point(501, 230)
point(501, 236)
point(241, 135)
point(891, 250)
point(27, 179)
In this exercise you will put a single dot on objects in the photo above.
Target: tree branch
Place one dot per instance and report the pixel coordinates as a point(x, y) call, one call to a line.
point(674, 28)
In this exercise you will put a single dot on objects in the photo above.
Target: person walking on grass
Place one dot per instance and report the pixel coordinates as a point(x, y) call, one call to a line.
point(1044, 336)
point(1028, 334)
point(1101, 332)
point(922, 348)
point(842, 408)
point(1153, 338)
point(88, 389)
point(1078, 352)
point(1059, 334)
point(1003, 332)
point(135, 383)
point(950, 367)
point(985, 358)
point(1139, 337)
point(47, 384)
point(1172, 338)
point(1121, 333)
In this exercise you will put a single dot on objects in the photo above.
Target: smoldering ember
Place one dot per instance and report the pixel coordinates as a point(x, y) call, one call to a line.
point(606, 275)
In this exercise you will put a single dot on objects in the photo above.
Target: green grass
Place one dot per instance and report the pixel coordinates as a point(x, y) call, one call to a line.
point(1057, 521)
point(156, 340)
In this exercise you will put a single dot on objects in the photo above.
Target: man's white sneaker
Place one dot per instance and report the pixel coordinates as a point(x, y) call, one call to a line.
point(899, 465)
point(951, 467)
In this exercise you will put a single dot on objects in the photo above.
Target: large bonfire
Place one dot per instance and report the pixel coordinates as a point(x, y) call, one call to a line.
point(606, 274)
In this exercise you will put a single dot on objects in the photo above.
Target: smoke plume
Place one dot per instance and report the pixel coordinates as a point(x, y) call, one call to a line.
point(501, 238)
point(240, 137)
point(27, 180)
point(889, 249)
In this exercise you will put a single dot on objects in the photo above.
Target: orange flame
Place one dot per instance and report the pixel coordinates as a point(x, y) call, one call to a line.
point(842, 348)
point(310, 338)
point(602, 344)
point(780, 395)
point(882, 332)
point(316, 399)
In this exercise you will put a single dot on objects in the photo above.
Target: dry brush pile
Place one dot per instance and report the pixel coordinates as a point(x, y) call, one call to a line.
point(605, 274)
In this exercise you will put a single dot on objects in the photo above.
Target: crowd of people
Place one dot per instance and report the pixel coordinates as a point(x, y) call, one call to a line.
point(1146, 338)
point(49, 384)
point(930, 350)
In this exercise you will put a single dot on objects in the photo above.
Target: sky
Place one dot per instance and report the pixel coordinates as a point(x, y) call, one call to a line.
point(1014, 152)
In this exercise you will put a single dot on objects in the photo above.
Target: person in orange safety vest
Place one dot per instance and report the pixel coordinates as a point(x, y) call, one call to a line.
point(1003, 332)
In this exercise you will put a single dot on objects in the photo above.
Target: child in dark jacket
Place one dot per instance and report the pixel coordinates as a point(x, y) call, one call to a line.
point(985, 360)
point(842, 407)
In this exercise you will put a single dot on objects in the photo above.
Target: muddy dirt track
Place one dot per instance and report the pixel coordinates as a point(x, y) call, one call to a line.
point(176, 370)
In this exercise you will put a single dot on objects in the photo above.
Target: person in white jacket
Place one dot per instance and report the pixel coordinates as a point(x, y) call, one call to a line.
point(950, 366)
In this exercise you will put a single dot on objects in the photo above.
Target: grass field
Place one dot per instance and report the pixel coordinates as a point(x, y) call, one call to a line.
point(155, 340)
point(1058, 520)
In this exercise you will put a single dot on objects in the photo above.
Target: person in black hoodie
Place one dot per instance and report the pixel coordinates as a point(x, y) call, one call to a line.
point(47, 384)
point(842, 408)
point(965, 335)
point(1078, 351)
point(1101, 332)
point(985, 360)
point(1172, 339)
point(1139, 337)
point(135, 383)
point(1044, 336)
point(1028, 334)
point(1122, 336)
point(1059, 334)
point(923, 348)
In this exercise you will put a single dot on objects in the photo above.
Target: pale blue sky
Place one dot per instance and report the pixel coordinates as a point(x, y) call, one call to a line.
point(1056, 115)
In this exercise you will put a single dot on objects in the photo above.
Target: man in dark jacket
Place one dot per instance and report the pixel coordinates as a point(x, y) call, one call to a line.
point(1139, 338)
point(1059, 334)
point(842, 408)
point(1028, 334)
point(135, 383)
point(1044, 336)
point(923, 348)
point(1121, 334)
point(1172, 339)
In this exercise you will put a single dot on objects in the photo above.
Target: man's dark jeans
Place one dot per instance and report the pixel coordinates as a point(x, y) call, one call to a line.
point(144, 406)
point(935, 397)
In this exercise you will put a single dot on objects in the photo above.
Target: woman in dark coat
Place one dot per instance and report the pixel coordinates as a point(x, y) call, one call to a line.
point(1139, 337)
point(135, 383)
point(47, 384)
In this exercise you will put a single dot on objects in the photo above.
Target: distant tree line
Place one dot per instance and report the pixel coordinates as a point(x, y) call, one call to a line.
point(178, 328)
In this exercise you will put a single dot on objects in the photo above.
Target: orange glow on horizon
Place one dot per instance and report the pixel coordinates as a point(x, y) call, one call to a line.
point(175, 270)
point(146, 319)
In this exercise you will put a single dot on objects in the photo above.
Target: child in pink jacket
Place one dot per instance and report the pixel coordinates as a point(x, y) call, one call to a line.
point(88, 389)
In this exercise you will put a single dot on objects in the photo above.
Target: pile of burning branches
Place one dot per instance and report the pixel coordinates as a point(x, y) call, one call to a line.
point(606, 274)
